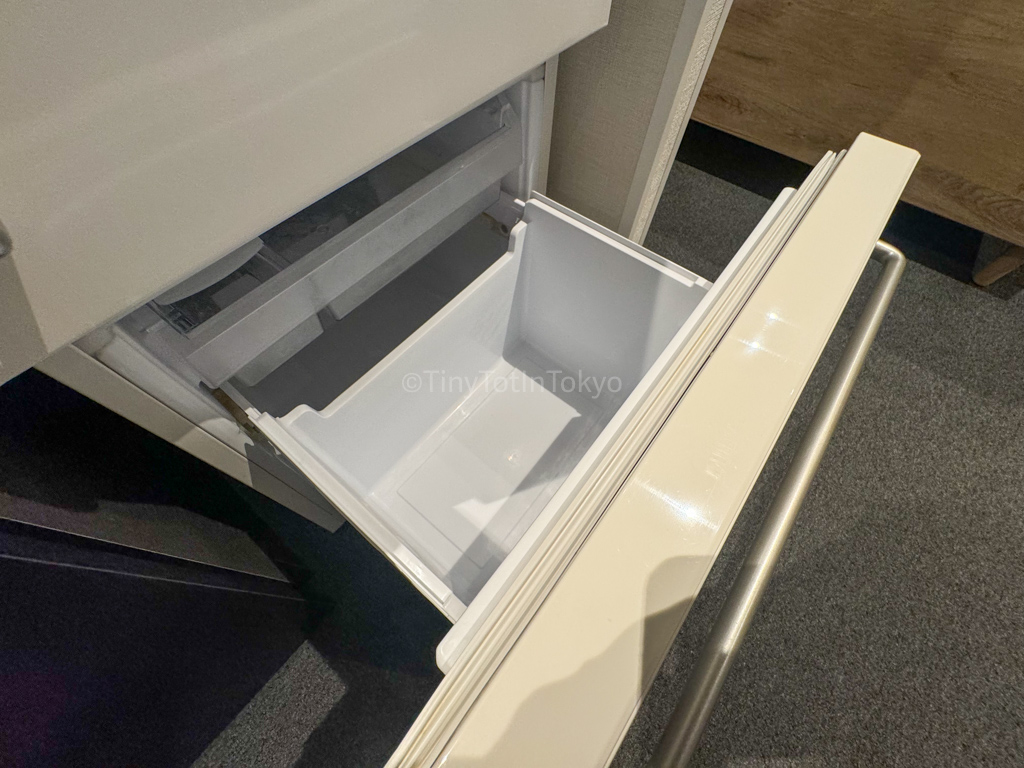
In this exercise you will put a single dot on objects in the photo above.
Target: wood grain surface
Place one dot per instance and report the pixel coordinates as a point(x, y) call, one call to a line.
point(942, 76)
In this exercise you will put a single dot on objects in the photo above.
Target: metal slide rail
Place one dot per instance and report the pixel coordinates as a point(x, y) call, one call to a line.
point(698, 699)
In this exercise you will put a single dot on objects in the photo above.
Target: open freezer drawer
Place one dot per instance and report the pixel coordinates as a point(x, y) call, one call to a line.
point(447, 451)
point(456, 453)
point(462, 450)
point(555, 672)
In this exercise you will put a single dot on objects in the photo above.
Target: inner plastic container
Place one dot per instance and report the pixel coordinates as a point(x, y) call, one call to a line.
point(460, 436)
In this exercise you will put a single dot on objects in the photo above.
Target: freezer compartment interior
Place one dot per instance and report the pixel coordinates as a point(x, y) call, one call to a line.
point(459, 437)
point(351, 346)
point(254, 309)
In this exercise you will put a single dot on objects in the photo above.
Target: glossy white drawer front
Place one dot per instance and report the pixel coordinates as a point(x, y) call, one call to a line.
point(567, 689)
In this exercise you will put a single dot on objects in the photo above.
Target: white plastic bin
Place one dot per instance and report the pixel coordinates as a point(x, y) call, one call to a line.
point(447, 450)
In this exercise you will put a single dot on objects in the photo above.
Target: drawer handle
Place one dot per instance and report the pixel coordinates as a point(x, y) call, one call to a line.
point(698, 699)
point(5, 241)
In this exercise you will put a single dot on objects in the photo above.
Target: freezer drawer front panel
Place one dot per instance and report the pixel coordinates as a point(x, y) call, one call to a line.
point(567, 690)
point(140, 144)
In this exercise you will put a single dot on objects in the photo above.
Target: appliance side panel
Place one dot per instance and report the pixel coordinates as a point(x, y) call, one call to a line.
point(608, 86)
point(86, 375)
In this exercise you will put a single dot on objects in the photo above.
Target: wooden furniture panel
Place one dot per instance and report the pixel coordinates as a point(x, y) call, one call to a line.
point(944, 77)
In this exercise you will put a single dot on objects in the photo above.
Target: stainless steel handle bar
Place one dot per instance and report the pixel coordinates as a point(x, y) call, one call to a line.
point(694, 708)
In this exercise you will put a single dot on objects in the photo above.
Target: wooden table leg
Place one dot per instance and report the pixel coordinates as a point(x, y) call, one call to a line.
point(1002, 266)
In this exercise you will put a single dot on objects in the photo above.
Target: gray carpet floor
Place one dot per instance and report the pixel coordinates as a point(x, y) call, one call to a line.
point(893, 631)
